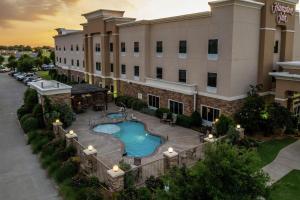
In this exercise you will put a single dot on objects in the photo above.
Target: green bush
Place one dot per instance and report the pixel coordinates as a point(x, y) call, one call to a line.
point(159, 112)
point(21, 112)
point(138, 104)
point(30, 124)
point(38, 113)
point(67, 170)
point(30, 99)
point(196, 119)
point(222, 126)
point(25, 117)
point(184, 121)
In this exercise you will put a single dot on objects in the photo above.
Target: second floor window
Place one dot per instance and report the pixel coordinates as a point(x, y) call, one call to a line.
point(111, 47)
point(77, 47)
point(182, 76)
point(77, 63)
point(159, 73)
point(136, 47)
point(72, 47)
point(123, 47)
point(111, 67)
point(136, 71)
point(64, 48)
point(72, 62)
point(98, 66)
point(65, 61)
point(182, 46)
point(159, 47)
point(213, 46)
point(123, 69)
point(212, 79)
point(97, 47)
point(59, 60)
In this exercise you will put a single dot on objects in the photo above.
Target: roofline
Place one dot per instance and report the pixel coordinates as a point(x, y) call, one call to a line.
point(168, 19)
point(67, 34)
point(92, 12)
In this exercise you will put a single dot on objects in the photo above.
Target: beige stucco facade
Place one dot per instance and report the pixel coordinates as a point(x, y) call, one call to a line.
point(245, 31)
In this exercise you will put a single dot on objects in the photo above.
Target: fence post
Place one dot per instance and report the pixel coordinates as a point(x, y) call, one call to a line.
point(89, 163)
point(171, 158)
point(70, 137)
point(241, 131)
point(57, 125)
point(116, 178)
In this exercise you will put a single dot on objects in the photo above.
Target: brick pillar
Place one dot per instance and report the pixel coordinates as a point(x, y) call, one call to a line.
point(89, 163)
point(70, 137)
point(171, 159)
point(116, 179)
point(241, 132)
point(57, 125)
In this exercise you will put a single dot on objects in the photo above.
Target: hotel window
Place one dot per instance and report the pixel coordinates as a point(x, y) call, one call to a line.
point(83, 64)
point(77, 63)
point(59, 49)
point(111, 67)
point(182, 76)
point(212, 80)
point(64, 48)
point(98, 66)
point(213, 46)
point(123, 69)
point(56, 47)
point(77, 47)
point(72, 47)
point(59, 60)
point(136, 47)
point(136, 71)
point(159, 73)
point(65, 61)
point(276, 47)
point(83, 47)
point(182, 46)
point(111, 47)
point(153, 101)
point(159, 47)
point(209, 114)
point(72, 62)
point(97, 47)
point(123, 47)
point(176, 107)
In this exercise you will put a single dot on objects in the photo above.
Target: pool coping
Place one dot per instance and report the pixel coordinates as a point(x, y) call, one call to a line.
point(115, 121)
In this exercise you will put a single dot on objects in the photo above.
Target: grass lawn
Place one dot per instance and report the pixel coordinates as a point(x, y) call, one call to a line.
point(44, 75)
point(287, 188)
point(268, 150)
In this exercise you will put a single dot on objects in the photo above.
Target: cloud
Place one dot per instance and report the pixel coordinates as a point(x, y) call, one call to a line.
point(26, 10)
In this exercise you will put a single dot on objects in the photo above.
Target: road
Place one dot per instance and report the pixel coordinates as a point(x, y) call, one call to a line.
point(21, 177)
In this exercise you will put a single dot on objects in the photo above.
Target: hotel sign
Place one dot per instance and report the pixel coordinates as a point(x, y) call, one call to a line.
point(282, 12)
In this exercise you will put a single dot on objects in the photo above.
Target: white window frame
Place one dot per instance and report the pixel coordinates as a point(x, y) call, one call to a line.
point(206, 122)
point(151, 107)
point(176, 102)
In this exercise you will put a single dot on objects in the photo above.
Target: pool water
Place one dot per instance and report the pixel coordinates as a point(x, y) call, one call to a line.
point(138, 142)
point(116, 115)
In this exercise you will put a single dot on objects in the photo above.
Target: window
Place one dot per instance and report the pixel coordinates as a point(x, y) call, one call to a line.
point(136, 71)
point(209, 114)
point(77, 47)
point(182, 76)
point(159, 73)
point(123, 47)
point(111, 47)
point(212, 79)
point(59, 48)
point(98, 66)
point(213, 46)
point(64, 48)
point(59, 60)
point(182, 46)
point(65, 61)
point(136, 47)
point(123, 69)
point(97, 47)
point(111, 67)
point(153, 101)
point(77, 63)
point(72, 62)
point(83, 64)
point(112, 88)
point(276, 47)
point(56, 47)
point(176, 107)
point(72, 47)
point(159, 47)
point(83, 47)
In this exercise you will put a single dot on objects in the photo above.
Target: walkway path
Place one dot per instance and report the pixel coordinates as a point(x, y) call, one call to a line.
point(287, 160)
point(21, 177)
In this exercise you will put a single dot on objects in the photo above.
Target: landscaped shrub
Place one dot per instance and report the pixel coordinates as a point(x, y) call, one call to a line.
point(69, 169)
point(196, 119)
point(153, 183)
point(129, 102)
point(184, 121)
point(25, 117)
point(223, 125)
point(66, 114)
point(148, 111)
point(138, 104)
point(38, 114)
point(30, 124)
point(159, 112)
point(21, 112)
point(30, 99)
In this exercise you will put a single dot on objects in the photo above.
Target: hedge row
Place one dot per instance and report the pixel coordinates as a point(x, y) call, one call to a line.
point(131, 102)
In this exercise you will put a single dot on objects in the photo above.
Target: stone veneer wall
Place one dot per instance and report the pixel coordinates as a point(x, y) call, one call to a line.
point(132, 89)
point(76, 74)
point(59, 98)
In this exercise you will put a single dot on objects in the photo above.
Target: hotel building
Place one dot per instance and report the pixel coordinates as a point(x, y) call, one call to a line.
point(203, 61)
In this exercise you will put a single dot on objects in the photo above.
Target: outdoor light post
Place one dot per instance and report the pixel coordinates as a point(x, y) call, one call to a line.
point(70, 137)
point(240, 130)
point(56, 127)
point(116, 178)
point(171, 158)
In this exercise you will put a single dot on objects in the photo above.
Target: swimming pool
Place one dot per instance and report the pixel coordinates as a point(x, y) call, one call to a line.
point(115, 115)
point(138, 142)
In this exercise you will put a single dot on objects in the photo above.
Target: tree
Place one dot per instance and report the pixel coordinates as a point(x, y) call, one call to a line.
point(46, 60)
point(223, 125)
point(227, 173)
point(1, 59)
point(25, 63)
point(52, 56)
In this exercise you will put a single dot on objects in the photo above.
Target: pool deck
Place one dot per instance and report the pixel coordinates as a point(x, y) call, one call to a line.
point(110, 149)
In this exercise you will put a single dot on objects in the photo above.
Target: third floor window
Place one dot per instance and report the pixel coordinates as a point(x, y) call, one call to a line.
point(159, 47)
point(136, 47)
point(97, 47)
point(111, 47)
point(182, 46)
point(123, 47)
point(213, 46)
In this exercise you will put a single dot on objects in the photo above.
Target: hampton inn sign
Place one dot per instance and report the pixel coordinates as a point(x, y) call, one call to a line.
point(282, 12)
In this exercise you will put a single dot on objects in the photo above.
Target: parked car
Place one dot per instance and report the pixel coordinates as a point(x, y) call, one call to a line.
point(30, 80)
point(4, 70)
point(25, 75)
point(18, 74)
point(47, 67)
point(12, 73)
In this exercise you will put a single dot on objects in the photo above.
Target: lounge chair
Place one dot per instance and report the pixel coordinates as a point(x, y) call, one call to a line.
point(174, 119)
point(133, 117)
point(121, 109)
point(164, 117)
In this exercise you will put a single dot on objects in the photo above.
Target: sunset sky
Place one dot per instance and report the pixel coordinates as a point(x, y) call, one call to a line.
point(32, 22)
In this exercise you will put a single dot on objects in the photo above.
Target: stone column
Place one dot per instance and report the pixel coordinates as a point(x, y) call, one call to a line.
point(70, 137)
point(241, 132)
point(116, 179)
point(89, 164)
point(57, 125)
point(171, 159)
point(90, 59)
